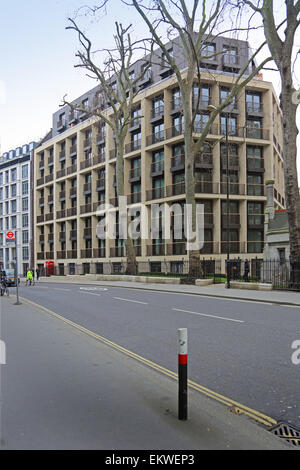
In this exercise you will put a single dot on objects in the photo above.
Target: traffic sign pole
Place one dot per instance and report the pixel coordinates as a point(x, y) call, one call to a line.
point(16, 271)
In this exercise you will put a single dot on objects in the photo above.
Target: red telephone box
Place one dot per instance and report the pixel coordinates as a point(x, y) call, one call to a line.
point(49, 265)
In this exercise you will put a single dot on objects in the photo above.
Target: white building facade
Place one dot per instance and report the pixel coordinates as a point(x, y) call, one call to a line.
point(15, 207)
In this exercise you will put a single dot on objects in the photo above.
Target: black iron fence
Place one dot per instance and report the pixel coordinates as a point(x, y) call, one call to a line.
point(282, 274)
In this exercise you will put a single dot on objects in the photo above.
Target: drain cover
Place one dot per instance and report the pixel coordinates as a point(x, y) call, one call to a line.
point(287, 432)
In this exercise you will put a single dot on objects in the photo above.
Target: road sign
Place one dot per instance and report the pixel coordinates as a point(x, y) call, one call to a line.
point(10, 236)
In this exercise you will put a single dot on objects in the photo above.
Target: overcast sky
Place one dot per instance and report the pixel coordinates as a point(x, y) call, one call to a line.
point(38, 58)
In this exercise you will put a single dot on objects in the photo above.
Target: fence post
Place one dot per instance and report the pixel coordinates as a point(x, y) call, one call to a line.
point(182, 374)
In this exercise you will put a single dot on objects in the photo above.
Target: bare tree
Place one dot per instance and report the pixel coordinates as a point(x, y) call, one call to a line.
point(281, 45)
point(195, 28)
point(119, 90)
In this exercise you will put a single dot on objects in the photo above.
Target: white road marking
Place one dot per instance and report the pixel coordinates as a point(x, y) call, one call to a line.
point(93, 288)
point(90, 293)
point(129, 300)
point(58, 288)
point(206, 315)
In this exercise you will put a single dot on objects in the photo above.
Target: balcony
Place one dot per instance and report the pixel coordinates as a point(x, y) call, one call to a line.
point(87, 253)
point(49, 178)
point(73, 235)
point(100, 158)
point(72, 254)
point(86, 164)
point(100, 138)
point(51, 237)
point(199, 127)
point(41, 165)
point(202, 104)
point(234, 247)
point(51, 161)
point(42, 238)
point(86, 208)
point(134, 198)
point(176, 105)
point(73, 150)
point(206, 187)
point(133, 146)
point(157, 168)
point(87, 188)
point(87, 143)
point(231, 61)
point(204, 160)
point(234, 188)
point(177, 162)
point(176, 248)
point(146, 79)
point(255, 247)
point(40, 181)
point(254, 109)
point(175, 189)
point(174, 131)
point(257, 133)
point(155, 138)
point(72, 169)
point(134, 174)
point(49, 217)
point(256, 190)
point(61, 125)
point(117, 252)
point(157, 249)
point(135, 124)
point(61, 214)
point(87, 233)
point(100, 184)
point(61, 254)
point(40, 218)
point(99, 252)
point(155, 193)
point(49, 255)
point(41, 255)
point(72, 212)
point(256, 221)
point(61, 173)
point(157, 113)
point(256, 165)
point(41, 201)
point(62, 155)
point(210, 248)
point(73, 116)
point(112, 154)
point(233, 162)
point(73, 192)
point(62, 196)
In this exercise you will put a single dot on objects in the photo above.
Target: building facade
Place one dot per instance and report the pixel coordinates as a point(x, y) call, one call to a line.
point(15, 206)
point(75, 170)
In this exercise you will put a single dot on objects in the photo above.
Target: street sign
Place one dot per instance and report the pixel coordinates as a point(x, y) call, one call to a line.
point(10, 236)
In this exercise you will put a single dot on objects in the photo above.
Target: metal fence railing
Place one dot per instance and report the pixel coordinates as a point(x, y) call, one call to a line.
point(282, 274)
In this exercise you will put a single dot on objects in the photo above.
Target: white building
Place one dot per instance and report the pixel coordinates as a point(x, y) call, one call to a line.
point(15, 206)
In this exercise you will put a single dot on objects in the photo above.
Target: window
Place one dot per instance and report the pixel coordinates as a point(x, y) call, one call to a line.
point(232, 125)
point(13, 222)
point(25, 253)
point(13, 206)
point(25, 204)
point(24, 171)
point(25, 237)
point(13, 174)
point(25, 220)
point(208, 51)
point(201, 121)
point(253, 101)
point(25, 187)
point(13, 190)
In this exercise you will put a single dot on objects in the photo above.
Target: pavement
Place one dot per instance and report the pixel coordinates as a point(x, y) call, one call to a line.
point(214, 290)
point(62, 388)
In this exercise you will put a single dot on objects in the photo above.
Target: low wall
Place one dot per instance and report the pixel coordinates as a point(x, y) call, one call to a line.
point(204, 282)
point(115, 277)
point(250, 285)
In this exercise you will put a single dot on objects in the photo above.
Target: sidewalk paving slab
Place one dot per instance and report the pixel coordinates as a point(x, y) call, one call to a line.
point(62, 389)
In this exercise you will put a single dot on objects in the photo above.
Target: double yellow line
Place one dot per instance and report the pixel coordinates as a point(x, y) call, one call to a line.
point(234, 406)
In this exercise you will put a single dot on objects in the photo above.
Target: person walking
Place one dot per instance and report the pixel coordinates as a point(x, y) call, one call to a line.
point(246, 271)
point(29, 278)
point(37, 272)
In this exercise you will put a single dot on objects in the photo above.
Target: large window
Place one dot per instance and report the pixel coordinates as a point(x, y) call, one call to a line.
point(25, 187)
point(24, 171)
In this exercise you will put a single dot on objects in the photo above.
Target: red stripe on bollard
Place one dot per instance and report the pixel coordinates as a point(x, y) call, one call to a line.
point(182, 374)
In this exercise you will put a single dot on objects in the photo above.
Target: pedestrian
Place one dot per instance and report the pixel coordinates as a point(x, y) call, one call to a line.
point(246, 271)
point(37, 271)
point(29, 278)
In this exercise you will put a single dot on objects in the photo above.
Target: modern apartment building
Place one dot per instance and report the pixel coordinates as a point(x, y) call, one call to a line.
point(15, 206)
point(75, 169)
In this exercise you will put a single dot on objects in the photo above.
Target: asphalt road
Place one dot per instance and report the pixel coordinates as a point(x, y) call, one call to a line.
point(239, 349)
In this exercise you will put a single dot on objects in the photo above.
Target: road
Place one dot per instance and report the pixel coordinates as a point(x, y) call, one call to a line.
point(241, 350)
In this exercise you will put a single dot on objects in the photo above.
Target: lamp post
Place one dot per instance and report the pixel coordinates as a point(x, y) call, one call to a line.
point(228, 270)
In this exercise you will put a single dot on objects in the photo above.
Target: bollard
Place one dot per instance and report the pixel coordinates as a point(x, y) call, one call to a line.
point(182, 374)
